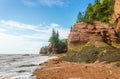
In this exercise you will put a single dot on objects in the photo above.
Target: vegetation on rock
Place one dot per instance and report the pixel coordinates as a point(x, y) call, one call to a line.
point(91, 39)
point(101, 10)
point(89, 53)
point(54, 39)
point(44, 50)
point(56, 45)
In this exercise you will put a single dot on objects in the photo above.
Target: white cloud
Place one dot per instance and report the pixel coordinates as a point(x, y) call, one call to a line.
point(54, 25)
point(2, 30)
point(26, 41)
point(29, 3)
point(19, 25)
point(11, 44)
point(52, 2)
point(48, 3)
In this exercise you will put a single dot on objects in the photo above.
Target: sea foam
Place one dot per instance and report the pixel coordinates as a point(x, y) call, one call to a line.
point(20, 66)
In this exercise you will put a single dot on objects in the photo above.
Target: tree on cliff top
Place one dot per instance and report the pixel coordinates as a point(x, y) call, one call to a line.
point(56, 45)
point(97, 1)
point(59, 45)
point(89, 14)
point(80, 17)
point(101, 10)
point(54, 39)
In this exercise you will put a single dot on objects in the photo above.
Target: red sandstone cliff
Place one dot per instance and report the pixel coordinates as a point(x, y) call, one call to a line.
point(98, 32)
point(117, 8)
point(116, 17)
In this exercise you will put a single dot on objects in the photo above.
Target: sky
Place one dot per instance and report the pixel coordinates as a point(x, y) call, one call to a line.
point(26, 25)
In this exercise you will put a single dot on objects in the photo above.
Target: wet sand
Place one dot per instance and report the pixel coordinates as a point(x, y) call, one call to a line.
point(59, 69)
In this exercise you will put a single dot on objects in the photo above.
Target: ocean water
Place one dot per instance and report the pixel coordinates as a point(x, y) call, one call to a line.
point(20, 66)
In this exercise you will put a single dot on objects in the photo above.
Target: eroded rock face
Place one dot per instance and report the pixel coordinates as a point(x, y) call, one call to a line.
point(117, 17)
point(44, 50)
point(88, 43)
point(117, 8)
point(99, 41)
point(96, 33)
point(117, 28)
point(59, 49)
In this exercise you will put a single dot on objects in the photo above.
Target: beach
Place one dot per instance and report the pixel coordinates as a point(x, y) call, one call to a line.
point(20, 66)
point(60, 69)
point(53, 67)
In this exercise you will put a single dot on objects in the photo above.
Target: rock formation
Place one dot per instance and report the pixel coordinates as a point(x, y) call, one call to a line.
point(116, 13)
point(116, 17)
point(117, 8)
point(60, 49)
point(90, 43)
point(44, 50)
point(97, 41)
point(96, 33)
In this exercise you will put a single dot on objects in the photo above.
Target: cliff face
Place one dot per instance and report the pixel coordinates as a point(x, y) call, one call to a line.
point(99, 41)
point(117, 8)
point(96, 34)
point(117, 17)
point(90, 43)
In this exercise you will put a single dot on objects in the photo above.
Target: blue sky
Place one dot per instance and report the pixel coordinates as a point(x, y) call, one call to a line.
point(26, 25)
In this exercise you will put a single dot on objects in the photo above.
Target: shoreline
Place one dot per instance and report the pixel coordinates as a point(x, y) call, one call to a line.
point(58, 69)
point(22, 66)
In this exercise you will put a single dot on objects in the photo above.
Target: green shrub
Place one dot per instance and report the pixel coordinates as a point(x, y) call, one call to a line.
point(101, 10)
